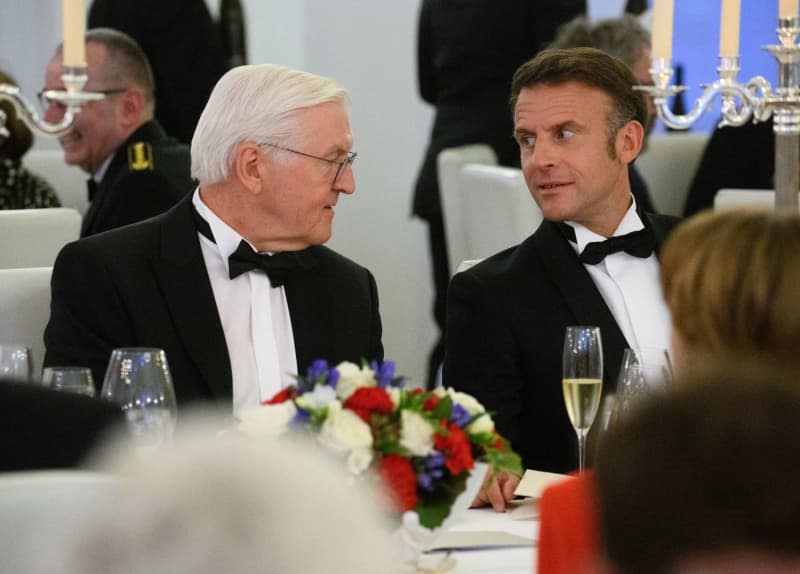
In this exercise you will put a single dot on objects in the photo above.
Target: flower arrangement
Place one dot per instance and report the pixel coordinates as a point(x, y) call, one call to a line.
point(421, 445)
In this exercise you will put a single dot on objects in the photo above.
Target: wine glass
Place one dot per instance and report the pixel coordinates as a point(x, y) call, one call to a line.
point(15, 362)
point(139, 381)
point(69, 379)
point(582, 381)
point(644, 371)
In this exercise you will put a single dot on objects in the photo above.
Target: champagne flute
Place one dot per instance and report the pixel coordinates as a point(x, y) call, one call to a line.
point(139, 381)
point(15, 362)
point(582, 381)
point(69, 379)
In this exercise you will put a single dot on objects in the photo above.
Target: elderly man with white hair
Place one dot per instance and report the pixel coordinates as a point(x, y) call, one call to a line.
point(233, 282)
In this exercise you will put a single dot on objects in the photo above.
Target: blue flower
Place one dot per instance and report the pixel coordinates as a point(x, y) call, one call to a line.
point(460, 416)
point(317, 370)
point(425, 481)
point(333, 377)
point(383, 372)
point(434, 461)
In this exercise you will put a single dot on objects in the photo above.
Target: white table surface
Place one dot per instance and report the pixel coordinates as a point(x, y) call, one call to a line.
point(506, 560)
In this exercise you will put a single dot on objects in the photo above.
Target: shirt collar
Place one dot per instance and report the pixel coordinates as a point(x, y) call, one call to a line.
point(226, 239)
point(630, 222)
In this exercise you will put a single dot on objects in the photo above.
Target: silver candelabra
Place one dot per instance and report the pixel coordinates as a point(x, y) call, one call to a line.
point(72, 97)
point(754, 100)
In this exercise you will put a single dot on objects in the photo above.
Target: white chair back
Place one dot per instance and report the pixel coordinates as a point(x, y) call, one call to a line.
point(69, 181)
point(25, 309)
point(668, 166)
point(33, 237)
point(752, 198)
point(31, 501)
point(486, 207)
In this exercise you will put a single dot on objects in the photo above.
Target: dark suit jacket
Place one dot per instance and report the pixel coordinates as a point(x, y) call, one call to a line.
point(505, 334)
point(184, 48)
point(737, 157)
point(41, 428)
point(467, 53)
point(148, 174)
point(146, 285)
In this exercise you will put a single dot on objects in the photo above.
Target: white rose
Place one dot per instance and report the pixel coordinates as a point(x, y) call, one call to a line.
point(352, 377)
point(320, 397)
point(394, 394)
point(469, 402)
point(358, 460)
point(416, 433)
point(483, 424)
point(344, 430)
point(267, 420)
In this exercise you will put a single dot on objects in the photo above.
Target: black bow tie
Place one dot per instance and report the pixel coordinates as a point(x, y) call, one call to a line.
point(91, 188)
point(639, 243)
point(244, 259)
point(277, 266)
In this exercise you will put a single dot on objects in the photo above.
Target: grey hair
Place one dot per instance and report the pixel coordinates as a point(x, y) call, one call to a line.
point(623, 37)
point(254, 103)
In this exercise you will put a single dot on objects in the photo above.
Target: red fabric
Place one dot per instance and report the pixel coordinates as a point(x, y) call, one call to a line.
point(568, 532)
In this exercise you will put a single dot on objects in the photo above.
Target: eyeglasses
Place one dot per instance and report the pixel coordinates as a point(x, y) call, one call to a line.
point(45, 101)
point(348, 161)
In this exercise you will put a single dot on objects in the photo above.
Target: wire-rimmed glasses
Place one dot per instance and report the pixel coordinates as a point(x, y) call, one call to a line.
point(341, 165)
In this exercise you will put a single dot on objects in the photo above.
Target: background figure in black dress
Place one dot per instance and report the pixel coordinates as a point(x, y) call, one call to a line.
point(735, 157)
point(467, 53)
point(182, 42)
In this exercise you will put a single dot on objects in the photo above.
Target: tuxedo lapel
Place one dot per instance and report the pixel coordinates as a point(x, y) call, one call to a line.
point(580, 293)
point(182, 277)
point(310, 309)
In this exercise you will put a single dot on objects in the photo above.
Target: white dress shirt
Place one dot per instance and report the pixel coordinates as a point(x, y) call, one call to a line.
point(630, 287)
point(255, 319)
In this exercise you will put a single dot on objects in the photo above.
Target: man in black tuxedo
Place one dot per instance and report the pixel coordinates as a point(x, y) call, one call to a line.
point(136, 170)
point(579, 125)
point(272, 154)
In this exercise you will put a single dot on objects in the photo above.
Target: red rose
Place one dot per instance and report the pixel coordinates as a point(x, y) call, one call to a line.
point(398, 474)
point(286, 394)
point(367, 400)
point(499, 443)
point(455, 447)
point(430, 403)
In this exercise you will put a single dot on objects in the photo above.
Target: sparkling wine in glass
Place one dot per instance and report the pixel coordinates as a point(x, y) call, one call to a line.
point(582, 381)
point(139, 381)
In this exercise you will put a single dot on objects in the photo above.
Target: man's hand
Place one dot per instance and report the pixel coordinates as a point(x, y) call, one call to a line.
point(497, 490)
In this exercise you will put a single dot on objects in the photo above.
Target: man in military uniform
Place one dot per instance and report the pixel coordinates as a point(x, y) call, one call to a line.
point(137, 170)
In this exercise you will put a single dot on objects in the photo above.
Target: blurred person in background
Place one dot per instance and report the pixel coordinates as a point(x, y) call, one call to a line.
point(703, 479)
point(731, 280)
point(183, 45)
point(19, 188)
point(136, 170)
point(213, 502)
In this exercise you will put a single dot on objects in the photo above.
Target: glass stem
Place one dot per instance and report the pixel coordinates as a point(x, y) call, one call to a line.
point(581, 449)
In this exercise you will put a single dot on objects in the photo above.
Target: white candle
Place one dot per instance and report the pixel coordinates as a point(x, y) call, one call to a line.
point(74, 30)
point(662, 28)
point(729, 28)
point(787, 8)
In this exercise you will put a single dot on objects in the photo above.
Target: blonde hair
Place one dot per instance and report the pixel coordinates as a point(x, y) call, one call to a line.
point(732, 282)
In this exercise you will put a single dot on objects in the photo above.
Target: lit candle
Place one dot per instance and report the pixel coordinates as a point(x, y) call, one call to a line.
point(74, 30)
point(729, 28)
point(787, 9)
point(662, 29)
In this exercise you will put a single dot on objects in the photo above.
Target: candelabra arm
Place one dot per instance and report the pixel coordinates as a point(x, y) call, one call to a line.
point(28, 113)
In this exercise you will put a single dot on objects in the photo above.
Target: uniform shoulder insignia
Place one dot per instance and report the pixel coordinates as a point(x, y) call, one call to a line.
point(140, 156)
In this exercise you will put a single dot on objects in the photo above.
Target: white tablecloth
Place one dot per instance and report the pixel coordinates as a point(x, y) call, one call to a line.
point(503, 560)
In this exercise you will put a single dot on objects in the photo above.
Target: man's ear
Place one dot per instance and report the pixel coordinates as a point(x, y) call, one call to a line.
point(132, 104)
point(629, 141)
point(248, 167)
